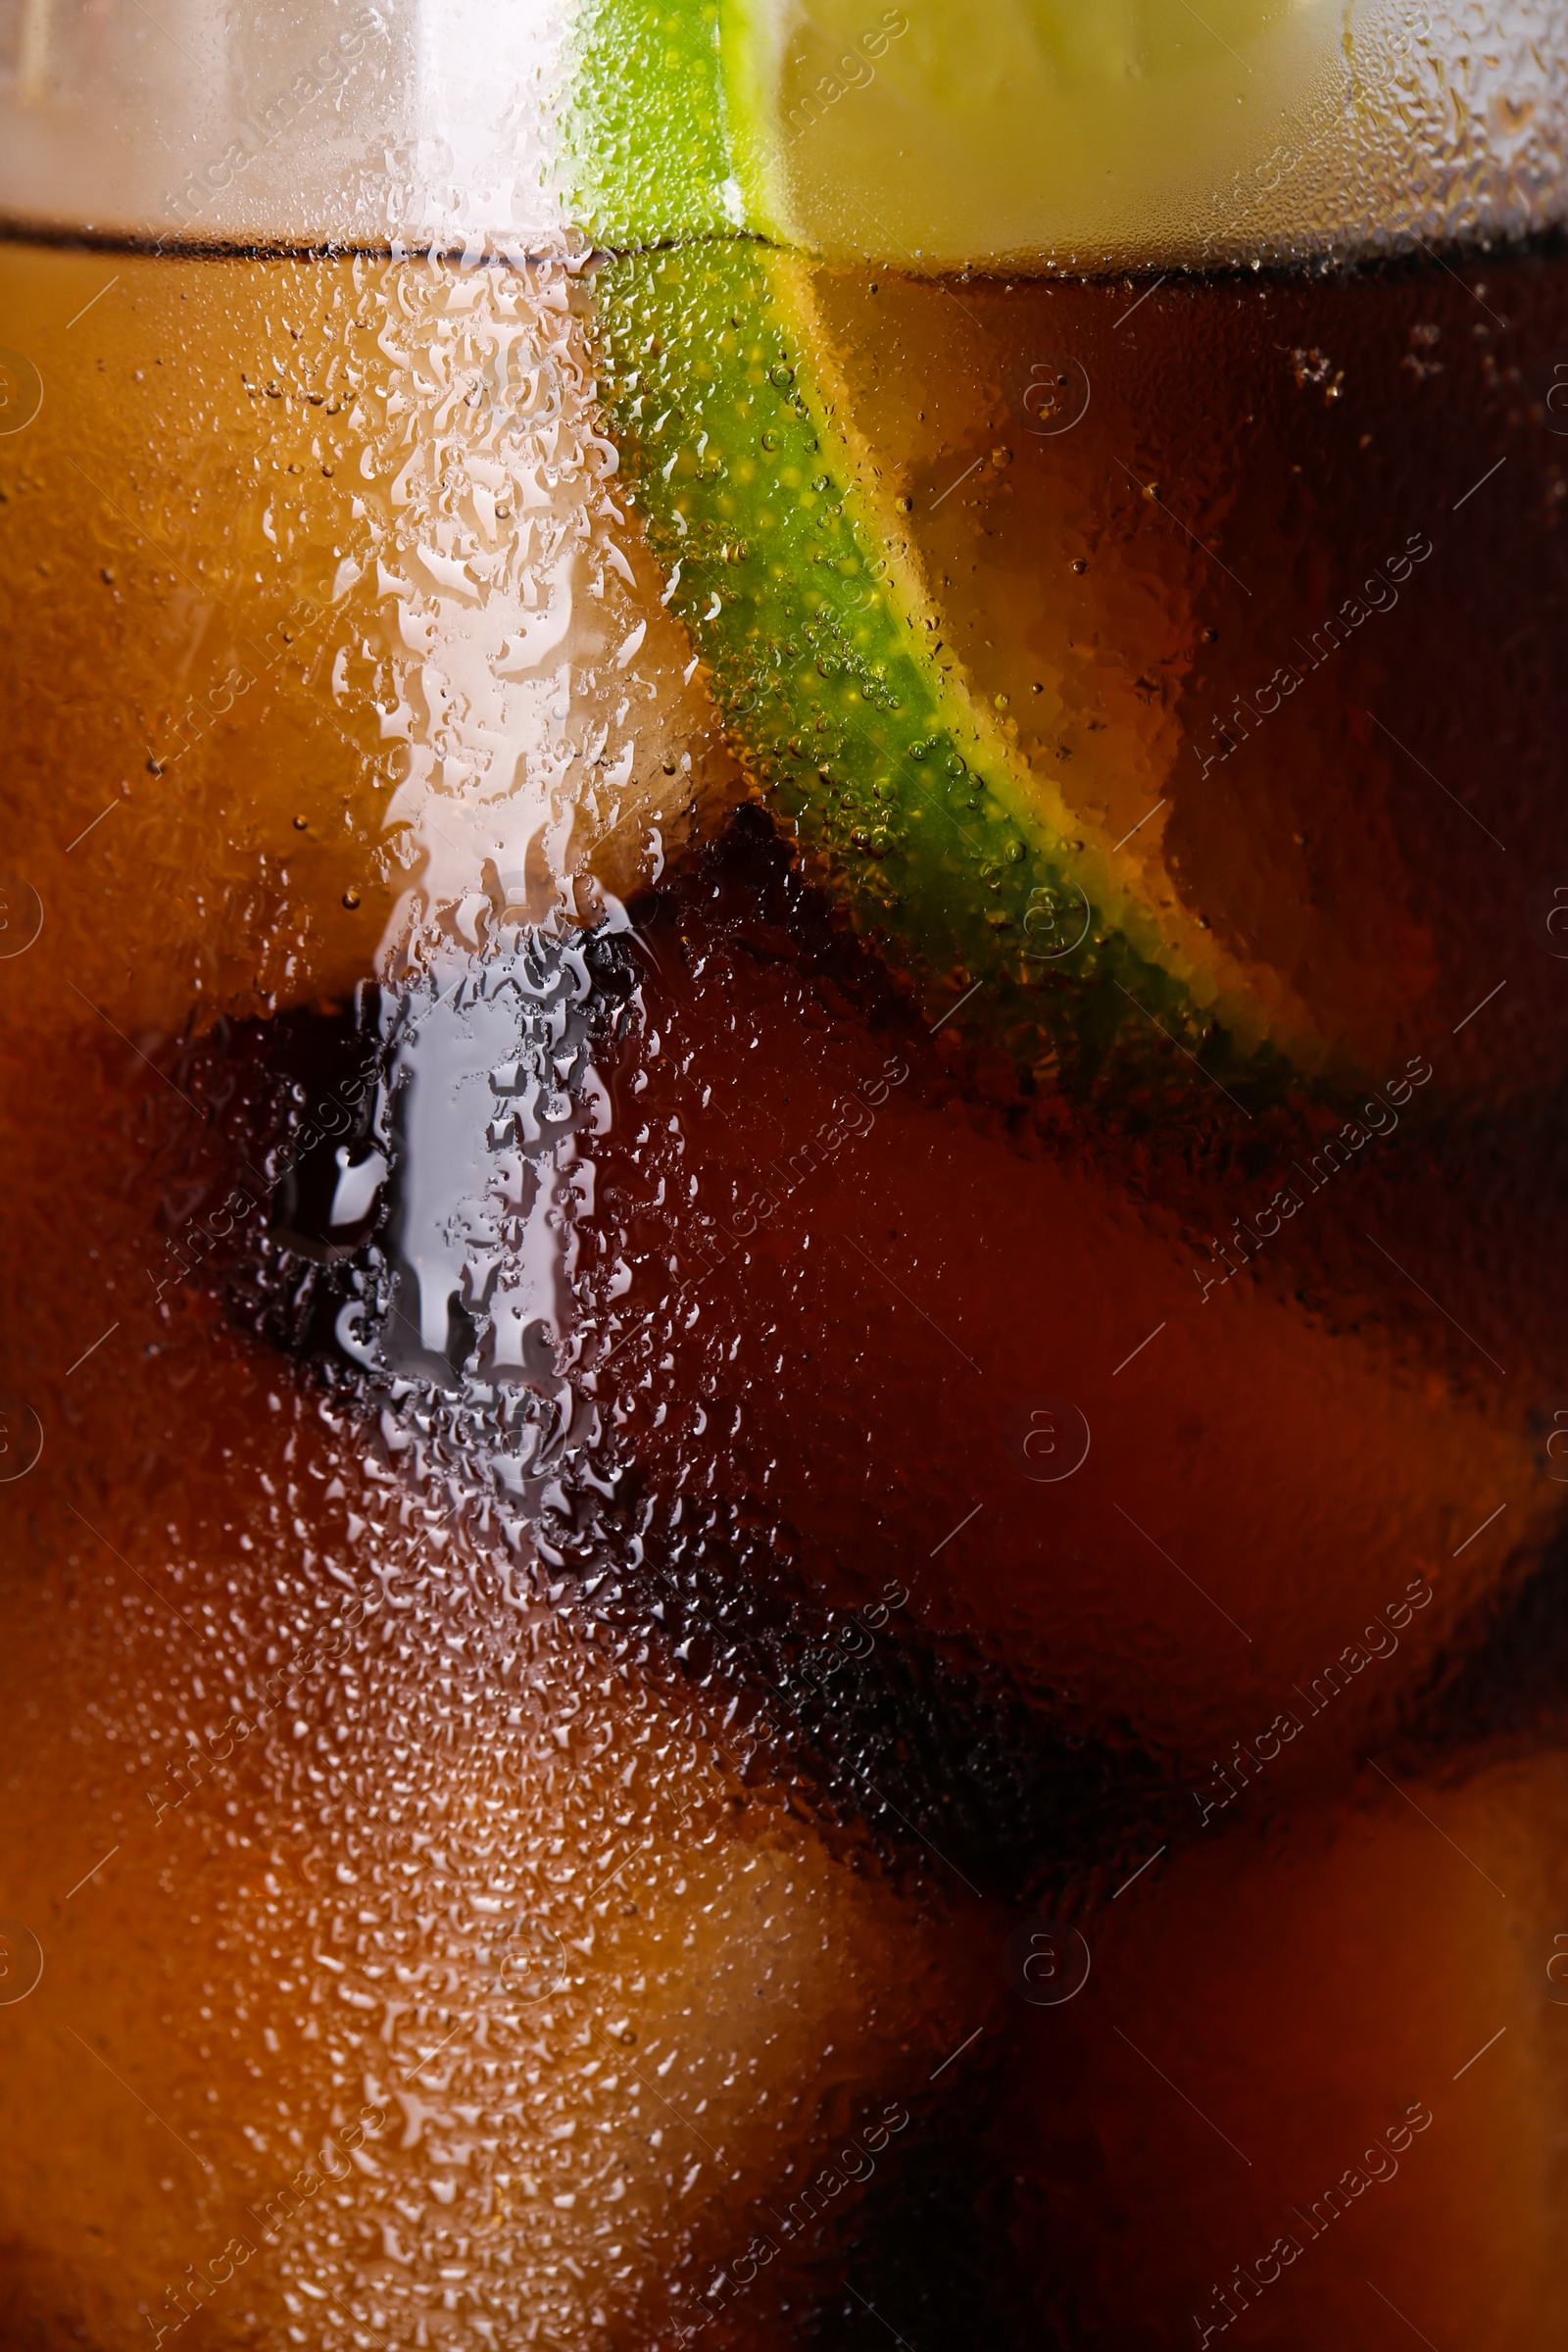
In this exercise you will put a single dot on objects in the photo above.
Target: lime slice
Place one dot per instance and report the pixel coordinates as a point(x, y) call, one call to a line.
point(1049, 134)
point(792, 565)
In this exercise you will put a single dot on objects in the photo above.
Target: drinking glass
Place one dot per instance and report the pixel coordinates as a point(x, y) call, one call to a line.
point(783, 1499)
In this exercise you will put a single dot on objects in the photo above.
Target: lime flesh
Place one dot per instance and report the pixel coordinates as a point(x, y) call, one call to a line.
point(1025, 133)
